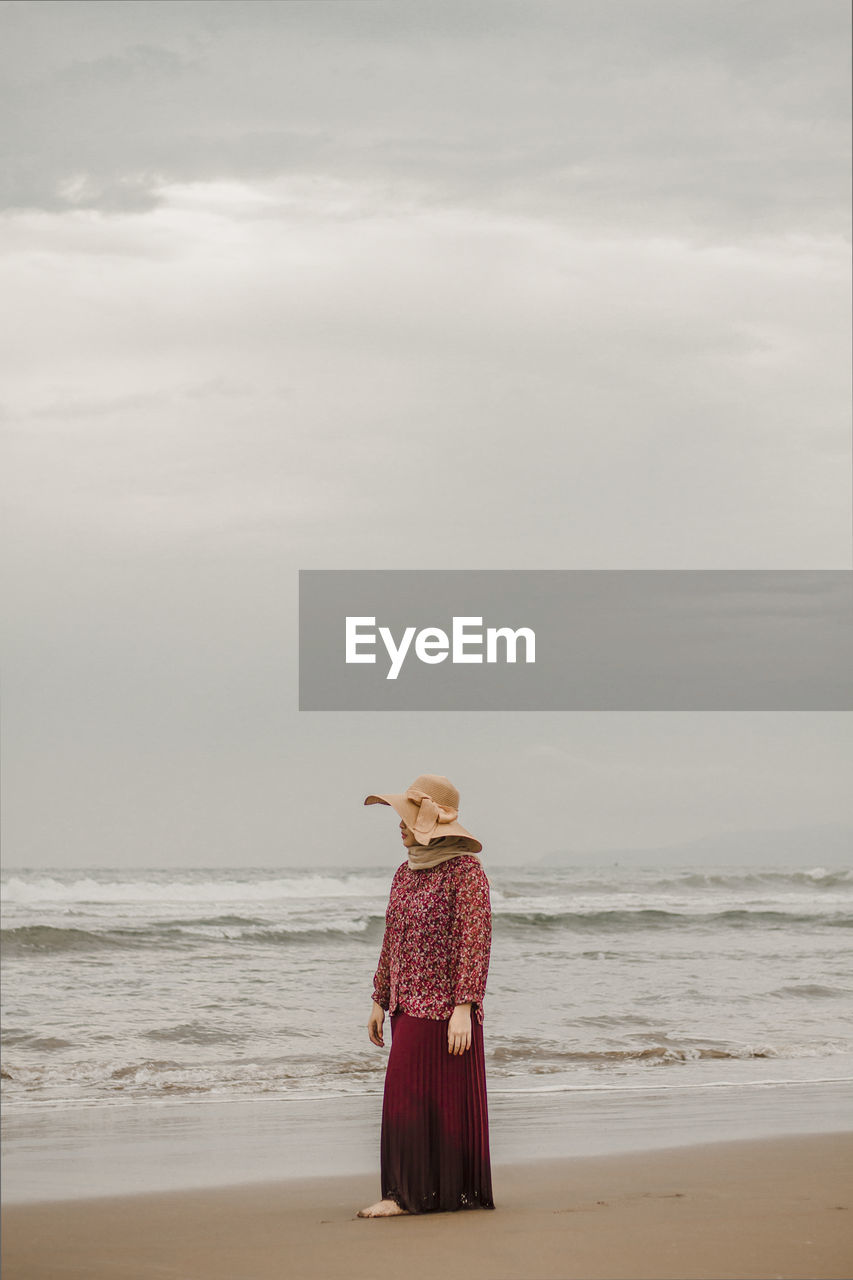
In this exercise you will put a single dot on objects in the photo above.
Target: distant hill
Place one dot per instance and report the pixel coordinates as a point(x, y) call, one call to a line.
point(805, 846)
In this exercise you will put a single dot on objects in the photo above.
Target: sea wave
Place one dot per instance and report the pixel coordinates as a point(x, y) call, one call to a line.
point(628, 877)
point(151, 1076)
point(555, 1060)
point(50, 939)
point(167, 1077)
point(61, 1080)
point(368, 926)
point(810, 991)
point(626, 920)
point(43, 937)
point(23, 890)
point(815, 877)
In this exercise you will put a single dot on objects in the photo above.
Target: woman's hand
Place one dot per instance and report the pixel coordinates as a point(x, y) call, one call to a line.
point(374, 1025)
point(459, 1029)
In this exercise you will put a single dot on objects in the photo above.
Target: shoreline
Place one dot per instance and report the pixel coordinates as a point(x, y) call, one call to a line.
point(179, 1143)
point(731, 1210)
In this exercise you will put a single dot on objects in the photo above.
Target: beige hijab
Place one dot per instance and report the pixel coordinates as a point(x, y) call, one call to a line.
point(422, 857)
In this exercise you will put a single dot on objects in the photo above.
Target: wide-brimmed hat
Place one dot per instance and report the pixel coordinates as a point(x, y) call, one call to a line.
point(430, 808)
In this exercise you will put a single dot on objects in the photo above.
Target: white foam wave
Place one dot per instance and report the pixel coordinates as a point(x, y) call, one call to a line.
point(18, 890)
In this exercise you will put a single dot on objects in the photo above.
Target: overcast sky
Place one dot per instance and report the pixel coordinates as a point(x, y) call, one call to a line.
point(408, 285)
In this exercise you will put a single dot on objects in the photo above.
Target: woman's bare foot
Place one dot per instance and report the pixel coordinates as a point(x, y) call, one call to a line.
point(382, 1209)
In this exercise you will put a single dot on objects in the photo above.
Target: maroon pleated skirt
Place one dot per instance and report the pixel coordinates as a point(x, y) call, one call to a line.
point(435, 1119)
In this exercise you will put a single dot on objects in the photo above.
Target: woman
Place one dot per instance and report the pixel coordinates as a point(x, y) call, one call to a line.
point(431, 978)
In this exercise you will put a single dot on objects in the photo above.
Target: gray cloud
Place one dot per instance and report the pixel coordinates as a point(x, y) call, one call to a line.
point(536, 285)
point(700, 118)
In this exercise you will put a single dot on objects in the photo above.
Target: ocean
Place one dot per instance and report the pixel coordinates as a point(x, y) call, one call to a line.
point(127, 986)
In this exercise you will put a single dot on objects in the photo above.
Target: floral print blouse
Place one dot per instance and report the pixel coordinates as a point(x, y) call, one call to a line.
point(438, 934)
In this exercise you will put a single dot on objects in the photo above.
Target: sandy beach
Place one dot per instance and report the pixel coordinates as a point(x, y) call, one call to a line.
point(769, 1208)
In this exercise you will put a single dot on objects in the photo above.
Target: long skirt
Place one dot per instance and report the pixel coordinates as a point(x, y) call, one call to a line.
point(435, 1120)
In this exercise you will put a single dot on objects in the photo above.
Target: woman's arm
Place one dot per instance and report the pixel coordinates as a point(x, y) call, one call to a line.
point(382, 978)
point(471, 936)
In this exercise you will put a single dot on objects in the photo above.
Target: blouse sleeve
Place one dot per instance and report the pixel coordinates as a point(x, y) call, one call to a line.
point(381, 979)
point(471, 937)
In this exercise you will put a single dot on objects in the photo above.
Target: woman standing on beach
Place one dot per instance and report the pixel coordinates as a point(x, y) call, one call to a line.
point(432, 979)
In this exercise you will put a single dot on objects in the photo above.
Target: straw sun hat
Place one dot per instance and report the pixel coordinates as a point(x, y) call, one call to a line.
point(430, 808)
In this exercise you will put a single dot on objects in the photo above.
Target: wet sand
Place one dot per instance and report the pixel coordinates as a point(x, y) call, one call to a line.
point(780, 1207)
